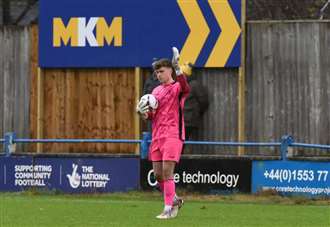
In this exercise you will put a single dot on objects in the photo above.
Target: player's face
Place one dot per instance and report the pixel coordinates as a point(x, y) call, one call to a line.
point(164, 75)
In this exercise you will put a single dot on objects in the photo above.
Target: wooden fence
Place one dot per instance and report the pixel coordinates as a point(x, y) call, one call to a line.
point(288, 81)
point(287, 92)
point(15, 53)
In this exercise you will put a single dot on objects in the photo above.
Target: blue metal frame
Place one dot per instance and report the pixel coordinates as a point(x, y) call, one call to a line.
point(234, 144)
point(307, 145)
point(76, 141)
point(286, 142)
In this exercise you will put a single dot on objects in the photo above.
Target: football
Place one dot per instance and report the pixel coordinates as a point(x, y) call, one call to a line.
point(150, 100)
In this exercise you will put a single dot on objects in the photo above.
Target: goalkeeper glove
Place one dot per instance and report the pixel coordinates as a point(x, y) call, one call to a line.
point(175, 61)
point(142, 107)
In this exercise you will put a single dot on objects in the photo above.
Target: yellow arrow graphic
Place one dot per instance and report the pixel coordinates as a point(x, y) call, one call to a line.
point(230, 31)
point(198, 30)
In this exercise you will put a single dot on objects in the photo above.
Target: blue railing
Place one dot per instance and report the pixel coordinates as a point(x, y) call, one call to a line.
point(75, 141)
point(307, 145)
point(286, 141)
point(234, 144)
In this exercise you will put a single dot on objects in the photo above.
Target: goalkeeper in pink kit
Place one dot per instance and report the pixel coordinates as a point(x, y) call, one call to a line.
point(168, 132)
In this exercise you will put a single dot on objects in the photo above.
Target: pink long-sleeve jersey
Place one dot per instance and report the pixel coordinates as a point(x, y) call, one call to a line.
point(168, 121)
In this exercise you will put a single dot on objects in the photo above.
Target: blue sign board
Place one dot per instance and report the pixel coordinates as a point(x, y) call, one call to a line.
point(292, 177)
point(129, 33)
point(71, 175)
point(10, 179)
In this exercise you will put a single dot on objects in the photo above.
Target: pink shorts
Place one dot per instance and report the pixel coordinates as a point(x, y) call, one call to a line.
point(165, 149)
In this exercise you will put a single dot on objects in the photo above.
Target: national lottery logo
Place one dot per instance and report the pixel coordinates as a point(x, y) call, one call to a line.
point(88, 177)
point(74, 178)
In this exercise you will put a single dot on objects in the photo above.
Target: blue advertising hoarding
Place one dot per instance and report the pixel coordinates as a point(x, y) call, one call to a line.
point(292, 177)
point(70, 175)
point(10, 179)
point(129, 33)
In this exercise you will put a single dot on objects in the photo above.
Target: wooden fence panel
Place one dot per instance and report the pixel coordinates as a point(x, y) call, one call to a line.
point(2, 92)
point(90, 103)
point(15, 86)
point(288, 82)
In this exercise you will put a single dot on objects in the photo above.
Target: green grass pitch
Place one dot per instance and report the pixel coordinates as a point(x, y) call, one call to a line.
point(140, 209)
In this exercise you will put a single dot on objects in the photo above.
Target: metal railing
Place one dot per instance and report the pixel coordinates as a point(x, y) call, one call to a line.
point(286, 142)
point(75, 141)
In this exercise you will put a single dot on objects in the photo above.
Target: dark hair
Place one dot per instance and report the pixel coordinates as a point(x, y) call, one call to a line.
point(164, 62)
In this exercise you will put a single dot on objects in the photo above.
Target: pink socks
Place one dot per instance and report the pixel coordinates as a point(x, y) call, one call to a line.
point(168, 187)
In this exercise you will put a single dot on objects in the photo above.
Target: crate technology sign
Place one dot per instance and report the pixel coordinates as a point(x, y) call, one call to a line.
point(205, 175)
point(73, 175)
point(292, 177)
point(102, 33)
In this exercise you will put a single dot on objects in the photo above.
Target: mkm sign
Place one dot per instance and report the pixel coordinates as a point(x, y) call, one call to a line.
point(102, 33)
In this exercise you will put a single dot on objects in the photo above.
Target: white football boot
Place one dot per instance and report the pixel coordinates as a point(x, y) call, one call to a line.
point(167, 214)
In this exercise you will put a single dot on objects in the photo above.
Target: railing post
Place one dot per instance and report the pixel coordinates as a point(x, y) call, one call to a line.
point(10, 147)
point(145, 144)
point(286, 141)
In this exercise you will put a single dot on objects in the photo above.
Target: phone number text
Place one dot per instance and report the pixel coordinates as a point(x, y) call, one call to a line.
point(288, 175)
